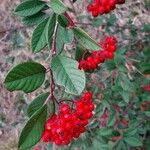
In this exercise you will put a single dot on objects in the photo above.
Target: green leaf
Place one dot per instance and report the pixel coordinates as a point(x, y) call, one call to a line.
point(110, 65)
point(32, 132)
point(111, 120)
point(125, 82)
point(85, 40)
point(105, 132)
point(98, 145)
point(125, 96)
point(112, 20)
point(145, 67)
point(27, 77)
point(29, 8)
point(119, 59)
point(147, 113)
point(37, 103)
point(67, 74)
point(79, 53)
point(130, 132)
point(35, 19)
point(59, 41)
point(50, 30)
point(58, 6)
point(133, 141)
point(121, 145)
point(51, 107)
point(67, 35)
point(40, 38)
point(63, 21)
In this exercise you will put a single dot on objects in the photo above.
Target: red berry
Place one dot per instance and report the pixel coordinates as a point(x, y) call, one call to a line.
point(65, 108)
point(45, 137)
point(110, 55)
point(88, 115)
point(95, 13)
point(91, 107)
point(90, 59)
point(88, 95)
point(90, 7)
point(58, 142)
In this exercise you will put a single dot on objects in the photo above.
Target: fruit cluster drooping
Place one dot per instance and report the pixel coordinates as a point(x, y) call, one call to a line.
point(109, 46)
point(69, 123)
point(99, 7)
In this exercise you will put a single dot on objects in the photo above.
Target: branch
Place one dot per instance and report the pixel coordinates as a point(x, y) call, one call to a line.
point(66, 101)
point(53, 52)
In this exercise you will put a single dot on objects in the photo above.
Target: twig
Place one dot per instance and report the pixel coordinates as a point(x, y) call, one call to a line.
point(66, 101)
point(131, 59)
point(52, 54)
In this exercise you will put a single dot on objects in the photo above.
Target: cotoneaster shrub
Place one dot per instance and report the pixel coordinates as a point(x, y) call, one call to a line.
point(118, 120)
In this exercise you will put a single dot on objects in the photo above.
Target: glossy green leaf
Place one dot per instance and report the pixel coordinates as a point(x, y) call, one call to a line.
point(51, 107)
point(59, 41)
point(125, 96)
point(63, 21)
point(35, 19)
point(67, 74)
point(85, 40)
point(130, 132)
point(29, 8)
point(98, 145)
point(58, 6)
point(121, 145)
point(112, 119)
point(37, 103)
point(27, 77)
point(145, 67)
point(147, 113)
point(133, 141)
point(32, 132)
point(50, 30)
point(67, 35)
point(105, 132)
point(79, 53)
point(43, 33)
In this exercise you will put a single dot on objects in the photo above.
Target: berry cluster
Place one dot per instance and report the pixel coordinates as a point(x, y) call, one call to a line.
point(103, 6)
point(69, 123)
point(109, 46)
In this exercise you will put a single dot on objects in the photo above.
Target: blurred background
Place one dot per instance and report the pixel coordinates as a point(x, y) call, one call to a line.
point(129, 22)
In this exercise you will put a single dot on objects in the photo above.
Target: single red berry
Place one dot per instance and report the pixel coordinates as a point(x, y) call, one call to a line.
point(65, 108)
point(95, 13)
point(58, 142)
point(110, 55)
point(91, 107)
point(46, 137)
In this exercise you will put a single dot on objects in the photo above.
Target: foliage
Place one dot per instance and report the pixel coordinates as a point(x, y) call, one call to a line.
point(122, 110)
